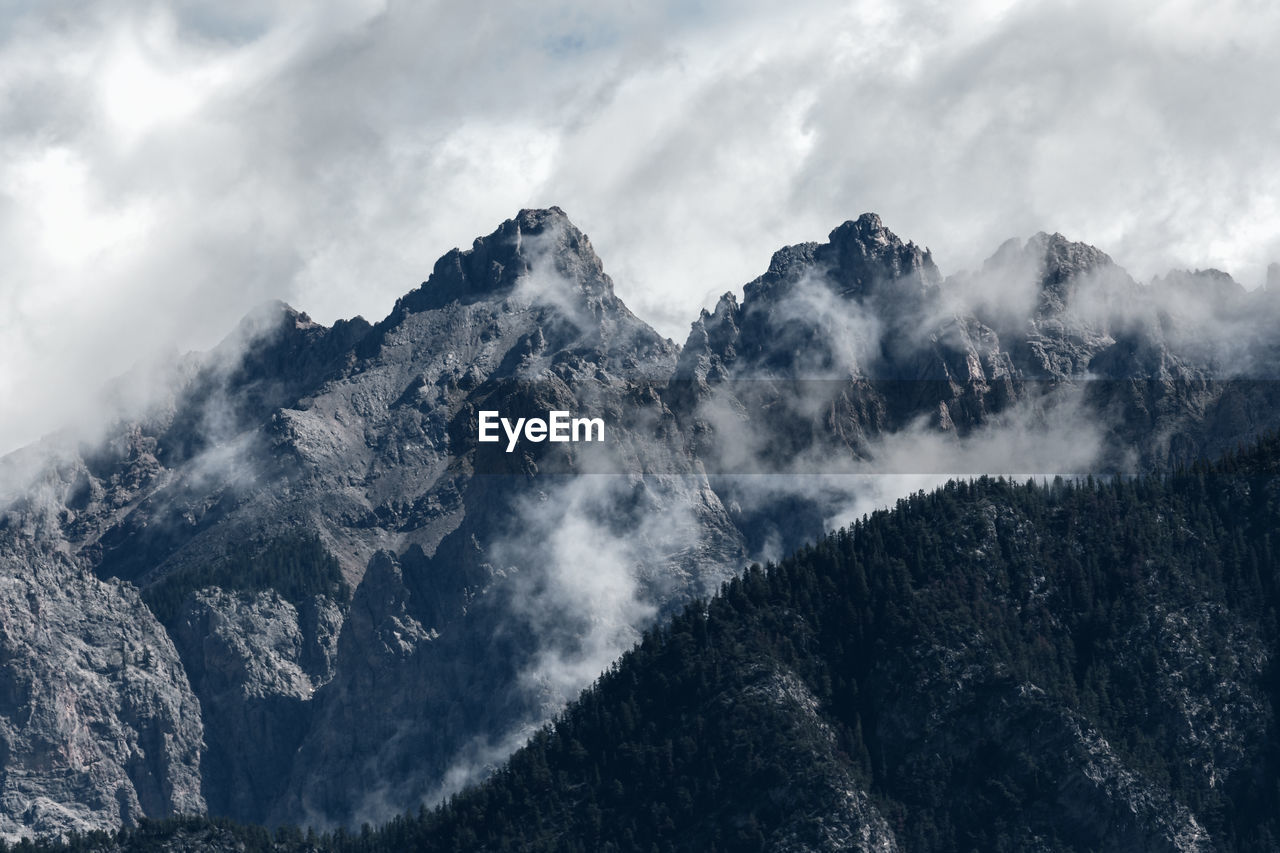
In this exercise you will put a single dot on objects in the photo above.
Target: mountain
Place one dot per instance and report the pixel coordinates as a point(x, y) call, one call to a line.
point(856, 356)
point(342, 568)
point(297, 589)
point(990, 666)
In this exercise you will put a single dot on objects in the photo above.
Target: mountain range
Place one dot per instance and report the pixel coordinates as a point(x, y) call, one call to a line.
point(293, 587)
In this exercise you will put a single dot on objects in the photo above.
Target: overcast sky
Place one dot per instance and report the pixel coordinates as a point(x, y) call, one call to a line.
point(166, 166)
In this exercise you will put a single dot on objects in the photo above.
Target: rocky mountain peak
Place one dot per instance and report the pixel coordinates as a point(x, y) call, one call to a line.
point(265, 322)
point(1056, 266)
point(1209, 284)
point(280, 313)
point(866, 254)
point(859, 259)
point(1052, 257)
point(542, 242)
point(867, 232)
point(1064, 259)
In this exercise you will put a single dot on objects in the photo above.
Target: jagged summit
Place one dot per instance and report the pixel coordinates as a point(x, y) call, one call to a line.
point(1053, 258)
point(543, 241)
point(1064, 259)
point(1056, 266)
point(274, 311)
point(868, 252)
point(265, 320)
point(1211, 284)
point(859, 257)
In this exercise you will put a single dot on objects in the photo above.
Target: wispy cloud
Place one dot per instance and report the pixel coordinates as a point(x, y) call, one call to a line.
point(166, 166)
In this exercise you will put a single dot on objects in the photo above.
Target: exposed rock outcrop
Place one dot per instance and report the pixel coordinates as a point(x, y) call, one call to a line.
point(98, 725)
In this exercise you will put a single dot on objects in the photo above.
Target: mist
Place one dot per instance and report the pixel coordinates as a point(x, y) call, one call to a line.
point(167, 166)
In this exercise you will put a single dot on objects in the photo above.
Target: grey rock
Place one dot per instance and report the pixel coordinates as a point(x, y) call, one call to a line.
point(256, 662)
point(98, 725)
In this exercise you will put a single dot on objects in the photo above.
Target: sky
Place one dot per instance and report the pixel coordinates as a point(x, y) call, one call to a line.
point(167, 166)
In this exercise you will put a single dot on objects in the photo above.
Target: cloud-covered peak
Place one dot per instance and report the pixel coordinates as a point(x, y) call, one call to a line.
point(1064, 259)
point(1211, 283)
point(544, 240)
point(1054, 258)
point(858, 259)
point(1042, 275)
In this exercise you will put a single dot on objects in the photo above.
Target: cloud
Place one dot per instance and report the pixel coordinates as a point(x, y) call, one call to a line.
point(166, 166)
point(592, 559)
point(1031, 439)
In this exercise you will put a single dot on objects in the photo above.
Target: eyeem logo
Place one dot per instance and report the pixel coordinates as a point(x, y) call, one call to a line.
point(557, 427)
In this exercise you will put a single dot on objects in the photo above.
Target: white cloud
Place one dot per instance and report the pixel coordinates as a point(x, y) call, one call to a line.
point(165, 166)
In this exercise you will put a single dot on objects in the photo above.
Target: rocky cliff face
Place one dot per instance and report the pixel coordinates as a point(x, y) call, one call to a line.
point(481, 589)
point(256, 661)
point(98, 724)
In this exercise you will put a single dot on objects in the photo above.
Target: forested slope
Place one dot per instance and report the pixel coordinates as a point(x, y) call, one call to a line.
point(992, 666)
